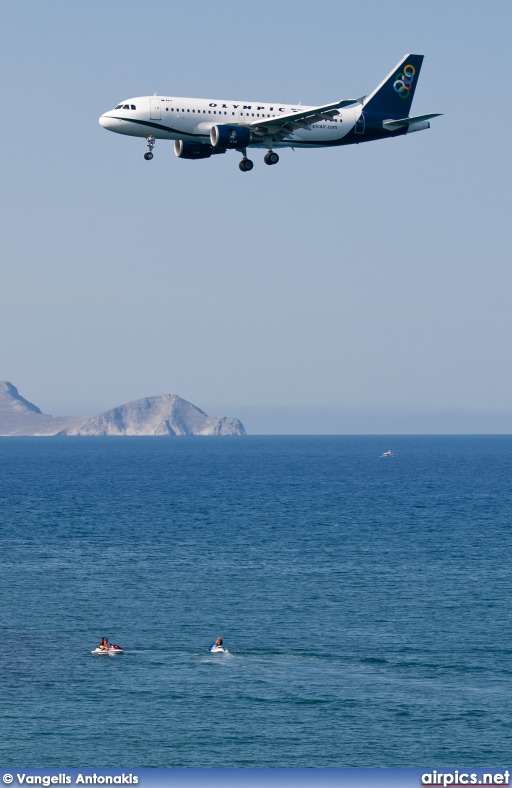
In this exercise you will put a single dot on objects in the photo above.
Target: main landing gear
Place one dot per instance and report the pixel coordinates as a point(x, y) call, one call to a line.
point(246, 164)
point(271, 157)
point(151, 144)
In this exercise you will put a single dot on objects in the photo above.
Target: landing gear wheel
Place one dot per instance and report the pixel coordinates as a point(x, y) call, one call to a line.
point(271, 157)
point(246, 165)
point(151, 144)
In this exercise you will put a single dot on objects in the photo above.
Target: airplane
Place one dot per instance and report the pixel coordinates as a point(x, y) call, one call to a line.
point(201, 128)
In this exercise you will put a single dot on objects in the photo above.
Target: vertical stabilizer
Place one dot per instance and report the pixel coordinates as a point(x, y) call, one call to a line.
point(395, 94)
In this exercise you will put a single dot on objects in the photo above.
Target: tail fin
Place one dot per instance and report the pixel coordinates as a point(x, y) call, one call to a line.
point(395, 94)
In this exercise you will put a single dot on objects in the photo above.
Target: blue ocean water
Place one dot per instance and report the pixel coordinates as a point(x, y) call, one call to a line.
point(365, 602)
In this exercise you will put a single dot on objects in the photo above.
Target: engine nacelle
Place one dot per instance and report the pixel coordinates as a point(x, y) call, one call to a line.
point(230, 136)
point(193, 150)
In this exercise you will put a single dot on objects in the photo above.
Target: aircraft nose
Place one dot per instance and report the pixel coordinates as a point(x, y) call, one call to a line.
point(106, 121)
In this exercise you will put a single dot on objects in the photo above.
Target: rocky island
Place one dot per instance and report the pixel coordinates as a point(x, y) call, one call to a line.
point(166, 414)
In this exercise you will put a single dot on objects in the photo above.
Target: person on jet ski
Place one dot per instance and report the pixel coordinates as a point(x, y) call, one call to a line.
point(219, 643)
point(103, 644)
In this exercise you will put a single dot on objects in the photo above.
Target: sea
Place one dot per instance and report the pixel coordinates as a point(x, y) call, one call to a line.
point(365, 601)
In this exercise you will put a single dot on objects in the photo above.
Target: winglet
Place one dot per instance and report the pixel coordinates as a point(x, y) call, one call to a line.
point(348, 102)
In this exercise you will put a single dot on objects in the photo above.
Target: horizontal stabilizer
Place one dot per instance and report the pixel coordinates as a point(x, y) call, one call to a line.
point(393, 125)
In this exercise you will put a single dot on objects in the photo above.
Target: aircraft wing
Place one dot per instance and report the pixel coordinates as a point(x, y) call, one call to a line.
point(282, 125)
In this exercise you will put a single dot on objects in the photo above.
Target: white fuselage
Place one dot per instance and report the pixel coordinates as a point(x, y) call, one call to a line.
point(175, 118)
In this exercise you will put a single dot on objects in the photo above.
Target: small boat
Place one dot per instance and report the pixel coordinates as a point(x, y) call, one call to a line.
point(218, 649)
point(113, 649)
point(387, 454)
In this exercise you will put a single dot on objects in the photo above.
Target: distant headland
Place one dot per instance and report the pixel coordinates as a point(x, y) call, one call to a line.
point(166, 414)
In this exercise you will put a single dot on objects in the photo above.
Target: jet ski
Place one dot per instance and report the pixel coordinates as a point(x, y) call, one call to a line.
point(112, 649)
point(218, 649)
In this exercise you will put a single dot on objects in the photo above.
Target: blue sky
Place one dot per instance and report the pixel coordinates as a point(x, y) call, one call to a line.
point(371, 279)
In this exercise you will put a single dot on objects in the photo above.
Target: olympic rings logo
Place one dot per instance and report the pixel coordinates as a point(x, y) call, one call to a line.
point(403, 81)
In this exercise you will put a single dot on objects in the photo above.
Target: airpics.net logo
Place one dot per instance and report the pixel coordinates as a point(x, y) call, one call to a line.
point(453, 779)
point(404, 79)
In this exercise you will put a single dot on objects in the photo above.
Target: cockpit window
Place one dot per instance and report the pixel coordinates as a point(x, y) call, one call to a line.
point(119, 106)
point(126, 106)
point(132, 106)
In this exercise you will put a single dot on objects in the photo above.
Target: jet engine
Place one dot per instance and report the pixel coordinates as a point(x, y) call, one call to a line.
point(194, 150)
point(231, 137)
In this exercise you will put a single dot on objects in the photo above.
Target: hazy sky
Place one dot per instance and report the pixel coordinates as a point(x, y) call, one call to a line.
point(374, 277)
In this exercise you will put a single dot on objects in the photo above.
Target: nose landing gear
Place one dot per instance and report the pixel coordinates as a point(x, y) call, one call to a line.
point(151, 144)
